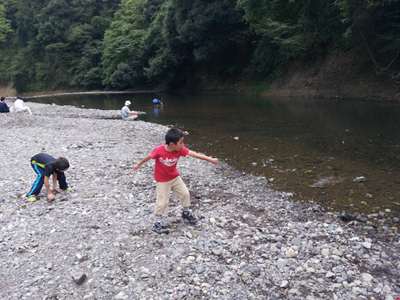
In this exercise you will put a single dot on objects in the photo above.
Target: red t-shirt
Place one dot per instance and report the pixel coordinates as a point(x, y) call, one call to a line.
point(165, 169)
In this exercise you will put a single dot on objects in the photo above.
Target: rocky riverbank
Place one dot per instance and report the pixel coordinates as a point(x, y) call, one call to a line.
point(95, 242)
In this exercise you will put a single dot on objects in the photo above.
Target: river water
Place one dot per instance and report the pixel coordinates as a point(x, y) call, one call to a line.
point(313, 148)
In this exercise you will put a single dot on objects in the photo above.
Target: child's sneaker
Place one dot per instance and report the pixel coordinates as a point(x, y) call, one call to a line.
point(159, 228)
point(67, 189)
point(190, 217)
point(32, 198)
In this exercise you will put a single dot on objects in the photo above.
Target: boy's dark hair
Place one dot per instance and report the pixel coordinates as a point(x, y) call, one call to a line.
point(3, 98)
point(173, 136)
point(61, 163)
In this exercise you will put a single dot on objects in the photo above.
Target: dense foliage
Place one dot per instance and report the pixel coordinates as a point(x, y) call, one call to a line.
point(136, 44)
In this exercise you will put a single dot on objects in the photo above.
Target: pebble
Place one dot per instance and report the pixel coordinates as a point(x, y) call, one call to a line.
point(360, 179)
point(290, 253)
point(250, 241)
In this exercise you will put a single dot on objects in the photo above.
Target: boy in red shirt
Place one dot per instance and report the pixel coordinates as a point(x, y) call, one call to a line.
point(167, 176)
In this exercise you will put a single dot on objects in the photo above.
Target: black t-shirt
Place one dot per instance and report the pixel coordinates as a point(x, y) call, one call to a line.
point(3, 107)
point(46, 162)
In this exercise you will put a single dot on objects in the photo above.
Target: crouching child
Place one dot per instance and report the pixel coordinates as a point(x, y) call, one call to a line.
point(46, 166)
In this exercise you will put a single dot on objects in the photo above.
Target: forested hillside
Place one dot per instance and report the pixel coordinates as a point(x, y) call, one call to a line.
point(171, 44)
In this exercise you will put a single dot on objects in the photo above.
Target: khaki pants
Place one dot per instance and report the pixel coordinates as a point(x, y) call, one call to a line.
point(163, 189)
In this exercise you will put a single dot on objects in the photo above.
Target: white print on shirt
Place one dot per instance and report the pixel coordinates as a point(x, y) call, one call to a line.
point(168, 162)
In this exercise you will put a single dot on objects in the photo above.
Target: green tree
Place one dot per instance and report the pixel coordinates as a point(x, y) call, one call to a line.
point(159, 42)
point(5, 24)
point(125, 44)
point(7, 34)
point(290, 29)
point(124, 56)
point(62, 42)
point(207, 33)
point(373, 28)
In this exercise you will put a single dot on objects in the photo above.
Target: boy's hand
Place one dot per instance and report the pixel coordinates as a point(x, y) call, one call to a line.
point(51, 196)
point(57, 190)
point(214, 161)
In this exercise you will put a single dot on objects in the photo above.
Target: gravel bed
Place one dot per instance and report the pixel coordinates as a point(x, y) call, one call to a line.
point(95, 242)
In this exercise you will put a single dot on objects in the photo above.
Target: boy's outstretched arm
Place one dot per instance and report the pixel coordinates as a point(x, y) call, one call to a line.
point(144, 160)
point(204, 157)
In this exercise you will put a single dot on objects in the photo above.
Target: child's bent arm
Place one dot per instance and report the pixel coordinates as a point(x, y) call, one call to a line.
point(47, 184)
point(55, 186)
point(54, 180)
point(203, 157)
point(50, 194)
point(144, 160)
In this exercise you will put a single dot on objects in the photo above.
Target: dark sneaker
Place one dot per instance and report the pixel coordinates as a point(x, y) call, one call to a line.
point(159, 228)
point(190, 217)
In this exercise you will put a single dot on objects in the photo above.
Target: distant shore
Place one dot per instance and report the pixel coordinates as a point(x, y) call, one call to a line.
point(61, 93)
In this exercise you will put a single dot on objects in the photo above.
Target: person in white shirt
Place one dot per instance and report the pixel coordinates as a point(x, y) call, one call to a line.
point(127, 114)
point(19, 105)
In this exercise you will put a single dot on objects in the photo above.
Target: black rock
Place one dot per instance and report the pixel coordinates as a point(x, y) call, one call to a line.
point(79, 280)
point(360, 218)
point(318, 208)
point(344, 216)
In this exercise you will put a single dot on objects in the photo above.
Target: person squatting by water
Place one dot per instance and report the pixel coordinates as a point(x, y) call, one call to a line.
point(157, 102)
point(127, 114)
point(45, 166)
point(167, 176)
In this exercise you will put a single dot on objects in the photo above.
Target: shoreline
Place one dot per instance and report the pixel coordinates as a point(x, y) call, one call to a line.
point(79, 93)
point(297, 92)
point(251, 242)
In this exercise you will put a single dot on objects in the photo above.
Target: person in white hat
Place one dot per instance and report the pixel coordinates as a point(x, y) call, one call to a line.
point(127, 114)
